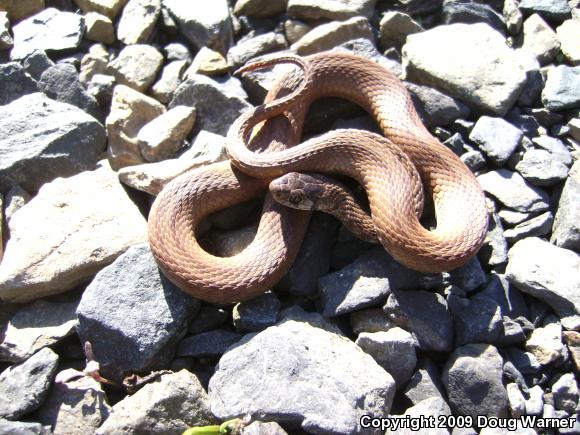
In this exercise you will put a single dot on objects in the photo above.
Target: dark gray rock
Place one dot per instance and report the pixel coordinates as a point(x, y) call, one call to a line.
point(41, 139)
point(557, 10)
point(566, 228)
point(495, 249)
point(497, 138)
point(36, 63)
point(217, 107)
point(101, 88)
point(208, 318)
point(527, 124)
point(555, 147)
point(472, 12)
point(436, 107)
point(22, 428)
point(425, 383)
point(508, 297)
point(330, 9)
point(468, 277)
point(535, 227)
point(525, 362)
point(473, 379)
point(565, 391)
point(455, 143)
point(61, 83)
point(34, 377)
point(257, 314)
point(211, 343)
point(541, 168)
point(370, 320)
point(249, 48)
point(474, 160)
point(562, 90)
point(476, 320)
point(149, 317)
point(288, 361)
point(426, 315)
point(14, 82)
point(511, 333)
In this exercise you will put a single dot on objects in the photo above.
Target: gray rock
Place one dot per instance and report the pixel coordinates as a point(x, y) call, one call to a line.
point(144, 300)
point(170, 405)
point(517, 403)
point(137, 66)
point(208, 318)
point(138, 21)
point(567, 35)
point(546, 272)
point(562, 90)
point(249, 48)
point(177, 51)
point(205, 344)
point(546, 345)
point(94, 62)
point(207, 25)
point(455, 143)
point(260, 8)
point(509, 298)
point(6, 41)
point(431, 408)
point(288, 360)
point(260, 428)
point(472, 12)
point(511, 217)
point(395, 27)
point(540, 39)
point(330, 9)
point(566, 228)
point(437, 108)
point(110, 8)
point(473, 379)
point(474, 160)
point(426, 315)
point(468, 277)
point(14, 82)
point(565, 392)
point(34, 377)
point(535, 227)
point(22, 428)
point(257, 314)
point(41, 139)
point(513, 191)
point(216, 105)
point(535, 402)
point(36, 63)
point(50, 30)
point(99, 28)
point(525, 362)
point(61, 83)
point(541, 168)
point(425, 383)
point(495, 249)
point(476, 320)
point(101, 88)
point(370, 320)
point(556, 147)
point(552, 9)
point(512, 16)
point(169, 80)
point(497, 138)
point(489, 78)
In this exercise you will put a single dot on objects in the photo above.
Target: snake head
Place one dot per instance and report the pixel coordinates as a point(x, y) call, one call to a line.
point(299, 191)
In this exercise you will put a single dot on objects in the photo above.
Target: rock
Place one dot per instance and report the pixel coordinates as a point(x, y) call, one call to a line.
point(517, 403)
point(557, 10)
point(512, 16)
point(22, 428)
point(295, 29)
point(93, 63)
point(474, 160)
point(495, 249)
point(476, 320)
point(36, 63)
point(41, 139)
point(208, 344)
point(473, 379)
point(177, 51)
point(574, 127)
point(259, 428)
point(565, 392)
point(572, 339)
point(216, 105)
point(101, 89)
point(207, 25)
point(525, 362)
point(130, 111)
point(61, 83)
point(562, 90)
point(169, 405)
point(497, 138)
point(567, 35)
point(370, 320)
point(49, 30)
point(162, 137)
point(257, 314)
point(14, 200)
point(488, 78)
point(20, 9)
point(144, 300)
point(541, 168)
point(287, 360)
point(556, 147)
point(14, 82)
point(535, 403)
point(208, 318)
point(535, 227)
point(208, 62)
point(509, 298)
point(394, 29)
point(330, 35)
point(75, 406)
point(6, 41)
point(438, 108)
point(93, 222)
point(249, 48)
point(470, 13)
point(468, 277)
point(426, 315)
point(566, 228)
point(330, 9)
point(33, 376)
point(513, 191)
point(424, 384)
point(540, 39)
point(138, 21)
point(137, 66)
point(36, 326)
point(260, 8)
point(546, 272)
point(110, 8)
point(164, 89)
point(99, 28)
point(545, 343)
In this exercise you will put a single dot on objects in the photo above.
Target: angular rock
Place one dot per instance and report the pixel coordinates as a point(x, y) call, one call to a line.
point(512, 16)
point(572, 339)
point(137, 66)
point(170, 405)
point(470, 13)
point(431, 408)
point(216, 105)
point(497, 138)
point(330, 35)
point(546, 272)
point(535, 227)
point(6, 41)
point(93, 63)
point(260, 8)
point(513, 191)
point(540, 39)
point(168, 81)
point(517, 403)
point(41, 139)
point(394, 29)
point(249, 48)
point(474, 160)
point(138, 21)
point(535, 403)
point(22, 428)
point(567, 35)
point(208, 318)
point(495, 249)
point(545, 343)
point(468, 61)
point(208, 62)
point(14, 200)
point(35, 326)
point(556, 147)
point(110, 8)
point(259, 428)
point(565, 392)
point(208, 344)
point(20, 9)
point(36, 63)
point(541, 168)
point(562, 90)
point(330, 9)
point(509, 298)
point(551, 9)
point(93, 221)
point(101, 88)
point(14, 83)
point(468, 277)
point(257, 314)
point(144, 300)
point(566, 228)
point(438, 108)
point(476, 321)
point(295, 29)
point(525, 362)
point(49, 30)
point(207, 25)
point(288, 360)
point(177, 51)
point(34, 377)
point(99, 28)
point(473, 379)
point(370, 320)
point(162, 137)
point(130, 111)
point(424, 384)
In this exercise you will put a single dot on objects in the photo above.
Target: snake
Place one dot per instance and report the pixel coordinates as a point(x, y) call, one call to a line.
point(396, 170)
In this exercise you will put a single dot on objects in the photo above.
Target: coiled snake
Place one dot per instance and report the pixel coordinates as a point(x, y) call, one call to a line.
point(392, 169)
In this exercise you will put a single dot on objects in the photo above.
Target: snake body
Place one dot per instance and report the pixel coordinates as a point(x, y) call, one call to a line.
point(392, 169)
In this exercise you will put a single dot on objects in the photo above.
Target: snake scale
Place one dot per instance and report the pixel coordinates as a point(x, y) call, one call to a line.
point(265, 143)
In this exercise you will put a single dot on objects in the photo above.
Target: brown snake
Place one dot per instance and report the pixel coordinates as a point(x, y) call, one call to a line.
point(391, 169)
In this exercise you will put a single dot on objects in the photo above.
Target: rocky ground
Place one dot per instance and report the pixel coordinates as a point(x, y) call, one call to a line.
point(103, 101)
